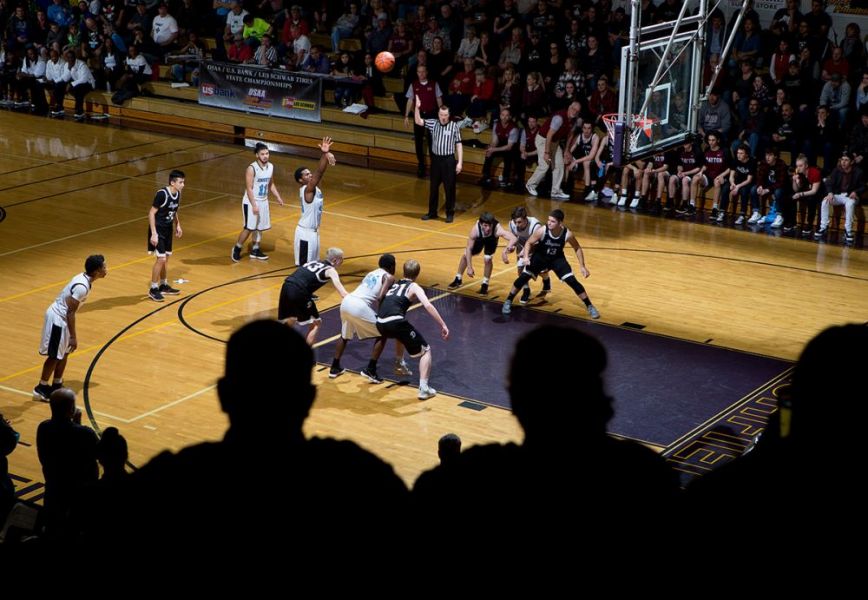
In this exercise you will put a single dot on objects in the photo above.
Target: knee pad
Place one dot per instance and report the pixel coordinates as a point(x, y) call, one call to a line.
point(487, 257)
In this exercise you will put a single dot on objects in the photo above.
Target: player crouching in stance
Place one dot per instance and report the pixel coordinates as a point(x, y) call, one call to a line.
point(296, 296)
point(522, 227)
point(392, 323)
point(359, 317)
point(163, 223)
point(483, 236)
point(547, 245)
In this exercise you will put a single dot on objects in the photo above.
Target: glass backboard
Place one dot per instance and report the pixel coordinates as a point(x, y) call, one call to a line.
point(668, 101)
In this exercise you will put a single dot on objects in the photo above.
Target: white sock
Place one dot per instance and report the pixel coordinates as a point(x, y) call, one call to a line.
point(458, 276)
point(485, 280)
point(164, 282)
point(423, 384)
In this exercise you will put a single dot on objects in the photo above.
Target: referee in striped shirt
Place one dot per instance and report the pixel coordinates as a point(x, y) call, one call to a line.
point(447, 156)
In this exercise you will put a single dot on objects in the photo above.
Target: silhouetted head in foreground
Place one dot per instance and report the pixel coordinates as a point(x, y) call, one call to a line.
point(267, 381)
point(556, 385)
point(828, 395)
point(448, 448)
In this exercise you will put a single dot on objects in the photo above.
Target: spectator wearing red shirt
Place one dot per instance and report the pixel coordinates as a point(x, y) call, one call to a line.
point(482, 100)
point(239, 52)
point(461, 88)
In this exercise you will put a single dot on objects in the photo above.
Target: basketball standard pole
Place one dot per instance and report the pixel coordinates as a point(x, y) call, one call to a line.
point(621, 126)
point(698, 67)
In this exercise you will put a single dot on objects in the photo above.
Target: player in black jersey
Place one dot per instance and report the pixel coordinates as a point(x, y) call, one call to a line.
point(163, 222)
point(548, 254)
point(296, 296)
point(392, 323)
point(483, 236)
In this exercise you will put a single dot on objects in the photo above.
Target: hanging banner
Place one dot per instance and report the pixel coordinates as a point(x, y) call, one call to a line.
point(842, 12)
point(261, 90)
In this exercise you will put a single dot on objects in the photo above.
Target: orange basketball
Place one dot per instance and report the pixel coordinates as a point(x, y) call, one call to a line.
point(385, 62)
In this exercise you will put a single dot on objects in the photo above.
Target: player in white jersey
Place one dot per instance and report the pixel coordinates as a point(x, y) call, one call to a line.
point(522, 227)
point(311, 199)
point(359, 315)
point(59, 333)
point(254, 206)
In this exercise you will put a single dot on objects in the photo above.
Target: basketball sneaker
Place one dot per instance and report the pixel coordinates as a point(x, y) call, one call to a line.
point(371, 376)
point(42, 392)
point(402, 368)
point(426, 392)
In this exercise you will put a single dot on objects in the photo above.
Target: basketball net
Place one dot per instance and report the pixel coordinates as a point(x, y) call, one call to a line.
point(638, 124)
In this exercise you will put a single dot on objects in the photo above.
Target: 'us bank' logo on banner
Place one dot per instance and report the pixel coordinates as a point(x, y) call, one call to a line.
point(209, 89)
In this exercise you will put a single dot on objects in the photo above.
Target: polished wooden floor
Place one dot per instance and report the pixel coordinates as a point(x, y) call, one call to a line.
point(73, 189)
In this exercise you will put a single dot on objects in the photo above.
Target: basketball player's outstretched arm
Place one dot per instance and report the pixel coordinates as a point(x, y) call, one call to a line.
point(572, 241)
point(418, 293)
point(511, 241)
point(325, 160)
point(336, 281)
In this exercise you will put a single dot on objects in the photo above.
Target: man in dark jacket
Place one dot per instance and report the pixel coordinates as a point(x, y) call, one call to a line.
point(846, 185)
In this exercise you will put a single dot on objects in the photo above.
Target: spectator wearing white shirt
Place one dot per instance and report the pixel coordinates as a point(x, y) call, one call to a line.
point(78, 80)
point(301, 45)
point(137, 68)
point(53, 78)
point(234, 21)
point(164, 28)
point(29, 80)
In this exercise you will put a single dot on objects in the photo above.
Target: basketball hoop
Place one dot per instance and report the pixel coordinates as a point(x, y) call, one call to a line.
point(635, 126)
